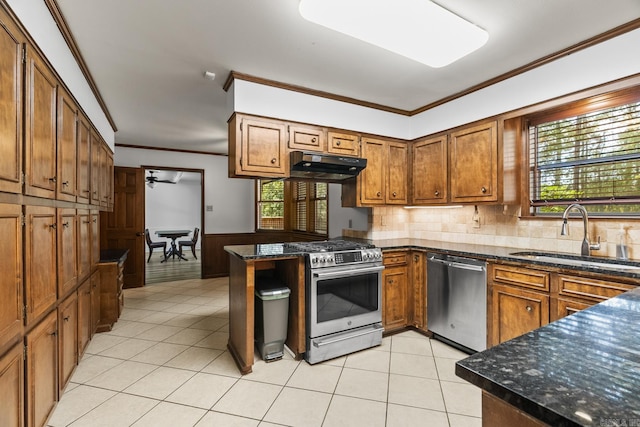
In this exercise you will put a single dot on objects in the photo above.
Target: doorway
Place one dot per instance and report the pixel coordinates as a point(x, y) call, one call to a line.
point(174, 203)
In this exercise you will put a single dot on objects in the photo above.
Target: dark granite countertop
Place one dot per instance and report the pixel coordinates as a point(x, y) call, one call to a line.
point(486, 252)
point(113, 255)
point(582, 370)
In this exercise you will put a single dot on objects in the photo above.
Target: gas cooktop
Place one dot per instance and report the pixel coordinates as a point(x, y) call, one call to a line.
point(328, 246)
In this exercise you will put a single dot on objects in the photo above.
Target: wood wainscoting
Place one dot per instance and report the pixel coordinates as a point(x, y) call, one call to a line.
point(216, 263)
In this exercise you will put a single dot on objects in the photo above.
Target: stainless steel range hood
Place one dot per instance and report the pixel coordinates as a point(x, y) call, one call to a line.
point(324, 167)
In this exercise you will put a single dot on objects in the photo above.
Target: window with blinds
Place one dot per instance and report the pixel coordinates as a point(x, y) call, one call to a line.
point(270, 207)
point(310, 207)
point(592, 158)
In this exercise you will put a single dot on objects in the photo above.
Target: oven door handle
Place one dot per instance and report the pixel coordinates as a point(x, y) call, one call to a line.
point(346, 273)
point(374, 329)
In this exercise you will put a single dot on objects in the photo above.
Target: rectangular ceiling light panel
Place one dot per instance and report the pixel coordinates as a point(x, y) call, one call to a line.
point(417, 29)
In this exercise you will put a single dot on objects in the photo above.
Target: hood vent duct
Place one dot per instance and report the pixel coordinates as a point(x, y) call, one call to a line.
point(324, 167)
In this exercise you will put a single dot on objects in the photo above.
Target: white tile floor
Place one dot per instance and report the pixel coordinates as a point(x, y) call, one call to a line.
point(165, 364)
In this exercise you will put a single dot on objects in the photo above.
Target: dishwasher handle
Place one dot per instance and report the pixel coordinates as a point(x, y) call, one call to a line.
point(455, 264)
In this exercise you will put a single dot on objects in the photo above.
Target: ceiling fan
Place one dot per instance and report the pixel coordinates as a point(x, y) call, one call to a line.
point(152, 180)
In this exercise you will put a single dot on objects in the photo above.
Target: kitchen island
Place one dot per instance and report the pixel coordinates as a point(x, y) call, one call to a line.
point(582, 370)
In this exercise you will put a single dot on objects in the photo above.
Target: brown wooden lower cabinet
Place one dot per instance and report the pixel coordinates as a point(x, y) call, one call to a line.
point(95, 301)
point(419, 289)
point(395, 282)
point(516, 311)
point(67, 339)
point(84, 316)
point(497, 412)
point(42, 369)
point(111, 296)
point(568, 306)
point(12, 387)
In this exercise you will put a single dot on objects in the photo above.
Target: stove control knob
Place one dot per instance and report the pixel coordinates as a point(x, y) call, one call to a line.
point(378, 255)
point(365, 256)
point(323, 260)
point(314, 261)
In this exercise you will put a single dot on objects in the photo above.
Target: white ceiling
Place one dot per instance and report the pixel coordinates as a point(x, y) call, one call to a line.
point(148, 57)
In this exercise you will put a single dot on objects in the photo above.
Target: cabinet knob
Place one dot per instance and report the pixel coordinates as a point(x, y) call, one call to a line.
point(65, 183)
point(53, 226)
point(483, 189)
point(65, 224)
point(53, 179)
point(66, 319)
point(313, 140)
point(378, 194)
point(416, 258)
point(338, 143)
point(529, 309)
point(437, 193)
point(273, 161)
point(395, 194)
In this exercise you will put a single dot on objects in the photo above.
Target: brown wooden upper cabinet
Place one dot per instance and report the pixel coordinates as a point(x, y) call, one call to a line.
point(67, 147)
point(257, 147)
point(40, 127)
point(345, 143)
point(473, 163)
point(307, 138)
point(429, 171)
point(384, 180)
point(96, 154)
point(11, 83)
point(83, 162)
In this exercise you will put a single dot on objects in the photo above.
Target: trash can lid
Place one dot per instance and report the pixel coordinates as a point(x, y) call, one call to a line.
point(273, 293)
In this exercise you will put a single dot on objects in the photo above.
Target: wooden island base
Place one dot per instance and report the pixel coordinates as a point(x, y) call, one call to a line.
point(242, 279)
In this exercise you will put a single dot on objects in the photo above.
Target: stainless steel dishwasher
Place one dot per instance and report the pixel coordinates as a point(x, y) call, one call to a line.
point(457, 300)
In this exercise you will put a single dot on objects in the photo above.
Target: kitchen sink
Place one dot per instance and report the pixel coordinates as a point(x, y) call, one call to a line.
point(591, 262)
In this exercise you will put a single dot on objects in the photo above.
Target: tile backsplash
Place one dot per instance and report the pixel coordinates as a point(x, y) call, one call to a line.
point(497, 226)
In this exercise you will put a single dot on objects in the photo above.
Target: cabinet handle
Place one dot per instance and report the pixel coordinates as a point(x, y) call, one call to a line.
point(529, 309)
point(94, 220)
point(66, 319)
point(338, 143)
point(378, 194)
point(65, 183)
point(437, 193)
point(416, 258)
point(53, 226)
point(273, 161)
point(483, 189)
point(313, 140)
point(54, 333)
point(395, 194)
point(86, 191)
point(54, 180)
point(65, 224)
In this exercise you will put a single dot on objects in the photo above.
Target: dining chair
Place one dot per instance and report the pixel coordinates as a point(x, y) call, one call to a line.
point(191, 242)
point(153, 245)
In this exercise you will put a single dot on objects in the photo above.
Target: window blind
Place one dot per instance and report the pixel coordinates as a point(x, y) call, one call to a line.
point(591, 158)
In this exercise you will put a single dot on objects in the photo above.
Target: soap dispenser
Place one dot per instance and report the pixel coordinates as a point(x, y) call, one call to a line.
point(621, 245)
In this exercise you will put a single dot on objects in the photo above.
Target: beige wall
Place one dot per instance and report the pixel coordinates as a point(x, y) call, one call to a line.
point(498, 226)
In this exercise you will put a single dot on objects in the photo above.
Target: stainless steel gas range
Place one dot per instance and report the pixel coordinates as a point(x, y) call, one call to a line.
point(343, 297)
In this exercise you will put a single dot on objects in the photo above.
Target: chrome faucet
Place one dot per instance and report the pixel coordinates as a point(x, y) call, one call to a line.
point(586, 246)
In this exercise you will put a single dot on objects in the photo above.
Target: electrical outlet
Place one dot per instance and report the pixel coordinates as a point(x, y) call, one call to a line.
point(209, 208)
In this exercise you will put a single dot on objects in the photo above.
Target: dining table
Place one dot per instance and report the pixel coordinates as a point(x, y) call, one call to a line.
point(173, 235)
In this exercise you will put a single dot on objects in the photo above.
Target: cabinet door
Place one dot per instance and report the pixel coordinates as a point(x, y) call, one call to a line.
point(67, 339)
point(67, 148)
point(95, 301)
point(40, 128)
point(397, 173)
point(95, 238)
point(84, 316)
point(473, 164)
point(394, 298)
point(372, 178)
point(516, 311)
point(263, 145)
point(419, 290)
point(12, 388)
point(343, 143)
point(11, 276)
point(568, 306)
point(42, 384)
point(83, 174)
point(11, 67)
point(429, 171)
point(104, 175)
point(40, 260)
point(96, 150)
point(307, 138)
point(67, 251)
point(84, 244)
point(110, 180)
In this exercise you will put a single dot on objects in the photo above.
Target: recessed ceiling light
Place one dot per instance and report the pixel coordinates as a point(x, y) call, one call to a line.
point(417, 29)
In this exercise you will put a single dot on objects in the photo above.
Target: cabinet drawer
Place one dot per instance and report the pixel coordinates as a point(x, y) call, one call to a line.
point(307, 138)
point(524, 277)
point(394, 258)
point(343, 143)
point(590, 288)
